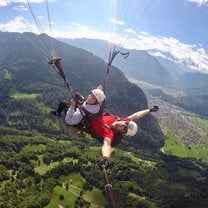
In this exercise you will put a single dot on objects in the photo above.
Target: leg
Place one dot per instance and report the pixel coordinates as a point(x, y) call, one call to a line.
point(62, 106)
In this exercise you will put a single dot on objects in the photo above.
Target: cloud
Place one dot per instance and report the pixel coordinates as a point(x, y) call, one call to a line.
point(6, 2)
point(117, 22)
point(40, 17)
point(76, 30)
point(193, 56)
point(3, 3)
point(20, 8)
point(19, 24)
point(198, 2)
point(130, 31)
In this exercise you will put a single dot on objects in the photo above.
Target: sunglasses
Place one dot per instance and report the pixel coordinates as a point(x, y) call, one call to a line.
point(126, 127)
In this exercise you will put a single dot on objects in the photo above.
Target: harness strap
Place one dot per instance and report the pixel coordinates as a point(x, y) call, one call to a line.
point(87, 116)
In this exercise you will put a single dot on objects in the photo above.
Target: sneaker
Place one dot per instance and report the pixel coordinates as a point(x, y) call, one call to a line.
point(55, 113)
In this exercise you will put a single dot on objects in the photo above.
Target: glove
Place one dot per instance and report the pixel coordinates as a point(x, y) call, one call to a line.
point(154, 109)
point(104, 163)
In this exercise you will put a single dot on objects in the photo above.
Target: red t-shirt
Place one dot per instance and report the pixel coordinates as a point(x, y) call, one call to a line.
point(98, 124)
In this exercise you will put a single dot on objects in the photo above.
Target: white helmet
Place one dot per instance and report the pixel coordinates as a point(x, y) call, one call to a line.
point(99, 95)
point(131, 129)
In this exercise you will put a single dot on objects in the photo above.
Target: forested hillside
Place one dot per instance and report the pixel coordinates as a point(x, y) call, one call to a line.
point(44, 165)
point(26, 72)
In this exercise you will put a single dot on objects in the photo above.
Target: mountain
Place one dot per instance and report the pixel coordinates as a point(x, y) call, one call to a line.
point(143, 66)
point(195, 86)
point(194, 83)
point(146, 66)
point(189, 63)
point(160, 71)
point(139, 64)
point(176, 70)
point(98, 47)
point(25, 70)
point(44, 164)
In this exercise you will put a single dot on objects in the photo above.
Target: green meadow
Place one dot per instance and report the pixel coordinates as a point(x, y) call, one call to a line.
point(52, 124)
point(74, 179)
point(42, 169)
point(95, 197)
point(69, 198)
point(76, 182)
point(34, 148)
point(24, 96)
point(43, 108)
point(140, 161)
point(175, 147)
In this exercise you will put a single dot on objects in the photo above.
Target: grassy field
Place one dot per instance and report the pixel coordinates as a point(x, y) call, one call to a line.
point(52, 124)
point(2, 184)
point(71, 195)
point(140, 161)
point(174, 147)
point(95, 197)
point(69, 198)
point(34, 148)
point(74, 179)
point(15, 113)
point(76, 182)
point(43, 108)
point(24, 96)
point(42, 169)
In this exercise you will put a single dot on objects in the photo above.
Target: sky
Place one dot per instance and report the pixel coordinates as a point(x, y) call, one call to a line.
point(173, 28)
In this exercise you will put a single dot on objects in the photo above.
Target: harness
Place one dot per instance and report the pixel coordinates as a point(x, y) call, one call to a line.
point(85, 125)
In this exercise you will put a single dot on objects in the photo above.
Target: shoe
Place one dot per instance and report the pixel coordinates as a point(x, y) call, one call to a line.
point(55, 113)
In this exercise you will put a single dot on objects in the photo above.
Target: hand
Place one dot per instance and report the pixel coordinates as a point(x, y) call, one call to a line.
point(100, 87)
point(72, 103)
point(79, 98)
point(154, 109)
point(104, 163)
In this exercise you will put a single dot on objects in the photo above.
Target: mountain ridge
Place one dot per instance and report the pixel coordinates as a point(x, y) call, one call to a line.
point(32, 75)
point(157, 71)
point(136, 65)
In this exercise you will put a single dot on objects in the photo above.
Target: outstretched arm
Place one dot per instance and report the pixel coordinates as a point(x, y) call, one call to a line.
point(106, 152)
point(139, 114)
point(106, 148)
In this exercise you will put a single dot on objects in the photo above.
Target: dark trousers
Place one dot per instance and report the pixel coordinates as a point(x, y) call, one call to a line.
point(62, 106)
point(65, 105)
